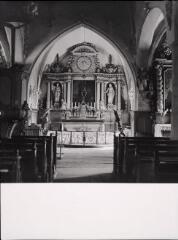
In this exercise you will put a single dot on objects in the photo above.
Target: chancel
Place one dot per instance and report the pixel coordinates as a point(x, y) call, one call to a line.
point(99, 79)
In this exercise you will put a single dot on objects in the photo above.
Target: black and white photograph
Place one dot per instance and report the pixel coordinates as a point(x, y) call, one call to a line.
point(89, 94)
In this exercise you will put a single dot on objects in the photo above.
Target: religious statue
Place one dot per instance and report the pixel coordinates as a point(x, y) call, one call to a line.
point(110, 93)
point(57, 93)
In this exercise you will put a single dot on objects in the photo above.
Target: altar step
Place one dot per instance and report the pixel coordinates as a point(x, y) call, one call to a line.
point(83, 138)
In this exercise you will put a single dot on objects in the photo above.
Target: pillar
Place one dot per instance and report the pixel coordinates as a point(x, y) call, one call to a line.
point(24, 90)
point(174, 116)
point(160, 88)
point(48, 95)
point(102, 91)
point(68, 94)
point(13, 46)
point(97, 94)
point(64, 94)
point(118, 95)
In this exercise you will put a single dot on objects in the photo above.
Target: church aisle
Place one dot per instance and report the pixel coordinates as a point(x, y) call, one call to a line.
point(85, 164)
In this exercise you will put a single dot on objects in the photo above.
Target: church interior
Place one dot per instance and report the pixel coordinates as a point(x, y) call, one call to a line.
point(88, 91)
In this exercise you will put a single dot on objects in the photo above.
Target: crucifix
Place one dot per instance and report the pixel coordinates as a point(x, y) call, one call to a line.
point(84, 94)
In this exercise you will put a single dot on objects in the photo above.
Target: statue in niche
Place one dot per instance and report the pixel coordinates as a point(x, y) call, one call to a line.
point(110, 93)
point(57, 94)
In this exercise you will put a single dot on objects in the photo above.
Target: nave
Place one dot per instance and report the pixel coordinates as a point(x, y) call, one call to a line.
point(88, 76)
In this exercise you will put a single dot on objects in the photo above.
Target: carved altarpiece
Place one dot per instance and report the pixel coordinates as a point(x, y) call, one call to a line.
point(84, 86)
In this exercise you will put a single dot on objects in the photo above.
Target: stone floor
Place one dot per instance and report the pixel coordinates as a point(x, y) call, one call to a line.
point(85, 164)
point(95, 164)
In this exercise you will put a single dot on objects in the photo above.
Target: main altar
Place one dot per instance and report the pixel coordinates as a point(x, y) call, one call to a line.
point(78, 94)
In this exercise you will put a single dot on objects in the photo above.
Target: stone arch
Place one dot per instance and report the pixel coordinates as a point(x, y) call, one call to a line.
point(156, 41)
point(71, 37)
point(152, 21)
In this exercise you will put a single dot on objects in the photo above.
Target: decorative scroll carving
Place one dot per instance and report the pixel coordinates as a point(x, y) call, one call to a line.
point(163, 51)
point(83, 47)
point(57, 67)
point(77, 62)
point(110, 68)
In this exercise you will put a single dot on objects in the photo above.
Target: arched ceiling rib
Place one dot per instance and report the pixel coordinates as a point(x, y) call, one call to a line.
point(152, 22)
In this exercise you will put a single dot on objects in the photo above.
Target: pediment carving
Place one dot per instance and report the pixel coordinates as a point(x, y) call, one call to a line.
point(84, 47)
point(82, 58)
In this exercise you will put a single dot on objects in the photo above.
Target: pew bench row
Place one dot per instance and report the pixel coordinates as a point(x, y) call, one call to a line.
point(129, 152)
point(33, 156)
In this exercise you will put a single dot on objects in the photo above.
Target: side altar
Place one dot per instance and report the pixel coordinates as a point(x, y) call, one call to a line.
point(81, 95)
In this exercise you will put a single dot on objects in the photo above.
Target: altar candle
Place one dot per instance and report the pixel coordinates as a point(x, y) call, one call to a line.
point(94, 104)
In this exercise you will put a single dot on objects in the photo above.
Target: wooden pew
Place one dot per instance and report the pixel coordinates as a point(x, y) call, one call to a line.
point(10, 166)
point(41, 155)
point(145, 154)
point(28, 163)
point(136, 151)
point(166, 160)
point(127, 150)
point(50, 153)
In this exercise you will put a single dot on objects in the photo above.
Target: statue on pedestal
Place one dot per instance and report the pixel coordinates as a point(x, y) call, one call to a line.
point(57, 94)
point(110, 93)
